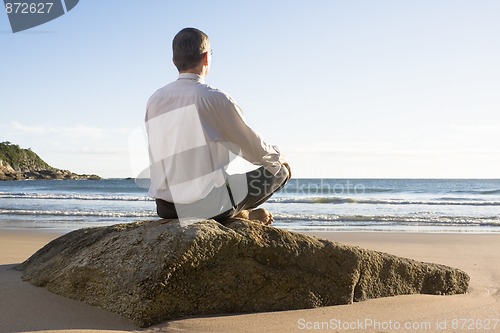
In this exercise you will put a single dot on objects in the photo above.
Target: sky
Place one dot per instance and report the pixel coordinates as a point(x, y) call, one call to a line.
point(346, 89)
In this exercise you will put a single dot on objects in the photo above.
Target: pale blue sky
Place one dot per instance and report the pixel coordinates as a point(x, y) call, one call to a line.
point(345, 88)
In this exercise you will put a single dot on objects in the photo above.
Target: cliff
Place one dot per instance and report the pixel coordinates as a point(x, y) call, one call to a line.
point(17, 163)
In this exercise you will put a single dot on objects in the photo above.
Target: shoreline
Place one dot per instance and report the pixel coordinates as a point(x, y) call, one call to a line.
point(62, 227)
point(395, 205)
point(476, 254)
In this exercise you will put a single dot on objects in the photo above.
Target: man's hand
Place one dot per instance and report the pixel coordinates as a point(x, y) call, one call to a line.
point(289, 170)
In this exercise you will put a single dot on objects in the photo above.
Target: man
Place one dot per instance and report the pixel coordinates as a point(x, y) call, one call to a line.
point(194, 131)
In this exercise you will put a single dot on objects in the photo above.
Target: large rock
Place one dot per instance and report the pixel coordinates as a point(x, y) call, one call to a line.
point(157, 270)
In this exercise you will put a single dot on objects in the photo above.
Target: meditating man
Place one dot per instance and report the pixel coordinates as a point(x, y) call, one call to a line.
point(194, 132)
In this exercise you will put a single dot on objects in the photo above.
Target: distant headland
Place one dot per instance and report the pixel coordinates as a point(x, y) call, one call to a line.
point(17, 163)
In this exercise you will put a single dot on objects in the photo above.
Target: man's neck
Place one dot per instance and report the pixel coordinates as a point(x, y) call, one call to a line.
point(192, 72)
point(201, 71)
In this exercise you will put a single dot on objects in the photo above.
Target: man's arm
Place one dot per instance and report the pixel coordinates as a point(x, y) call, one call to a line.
point(234, 130)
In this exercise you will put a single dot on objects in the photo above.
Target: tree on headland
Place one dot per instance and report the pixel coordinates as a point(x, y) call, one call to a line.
point(19, 158)
point(18, 163)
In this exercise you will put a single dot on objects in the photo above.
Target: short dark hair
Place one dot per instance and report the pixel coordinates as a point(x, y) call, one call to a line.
point(188, 48)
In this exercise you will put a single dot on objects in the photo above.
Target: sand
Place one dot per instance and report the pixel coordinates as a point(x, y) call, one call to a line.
point(25, 308)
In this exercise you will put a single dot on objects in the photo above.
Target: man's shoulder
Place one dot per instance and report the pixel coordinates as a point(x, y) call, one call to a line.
point(210, 91)
point(224, 97)
point(166, 88)
point(162, 90)
point(213, 96)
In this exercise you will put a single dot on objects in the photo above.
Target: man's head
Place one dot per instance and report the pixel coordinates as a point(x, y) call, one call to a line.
point(191, 49)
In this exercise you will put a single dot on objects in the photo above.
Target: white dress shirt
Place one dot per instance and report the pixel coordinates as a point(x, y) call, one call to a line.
point(193, 130)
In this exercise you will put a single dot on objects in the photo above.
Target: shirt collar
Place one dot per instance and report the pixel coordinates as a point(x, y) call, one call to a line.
point(191, 76)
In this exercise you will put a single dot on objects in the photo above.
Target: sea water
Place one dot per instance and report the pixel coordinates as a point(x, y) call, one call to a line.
point(422, 205)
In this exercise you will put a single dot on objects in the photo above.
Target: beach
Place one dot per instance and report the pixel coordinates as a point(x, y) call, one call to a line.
point(25, 308)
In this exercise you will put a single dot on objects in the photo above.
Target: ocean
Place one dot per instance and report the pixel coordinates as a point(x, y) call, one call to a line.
point(402, 205)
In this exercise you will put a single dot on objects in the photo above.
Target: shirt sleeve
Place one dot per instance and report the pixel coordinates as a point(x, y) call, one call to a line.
point(234, 132)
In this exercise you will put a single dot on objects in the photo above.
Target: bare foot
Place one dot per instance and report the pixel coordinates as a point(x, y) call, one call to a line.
point(261, 215)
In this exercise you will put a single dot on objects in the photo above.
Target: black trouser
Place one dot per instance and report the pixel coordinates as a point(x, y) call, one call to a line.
point(242, 191)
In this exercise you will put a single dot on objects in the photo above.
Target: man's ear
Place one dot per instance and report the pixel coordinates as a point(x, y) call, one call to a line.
point(205, 59)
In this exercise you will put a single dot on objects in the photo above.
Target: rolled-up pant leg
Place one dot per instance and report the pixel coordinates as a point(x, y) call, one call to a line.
point(261, 186)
